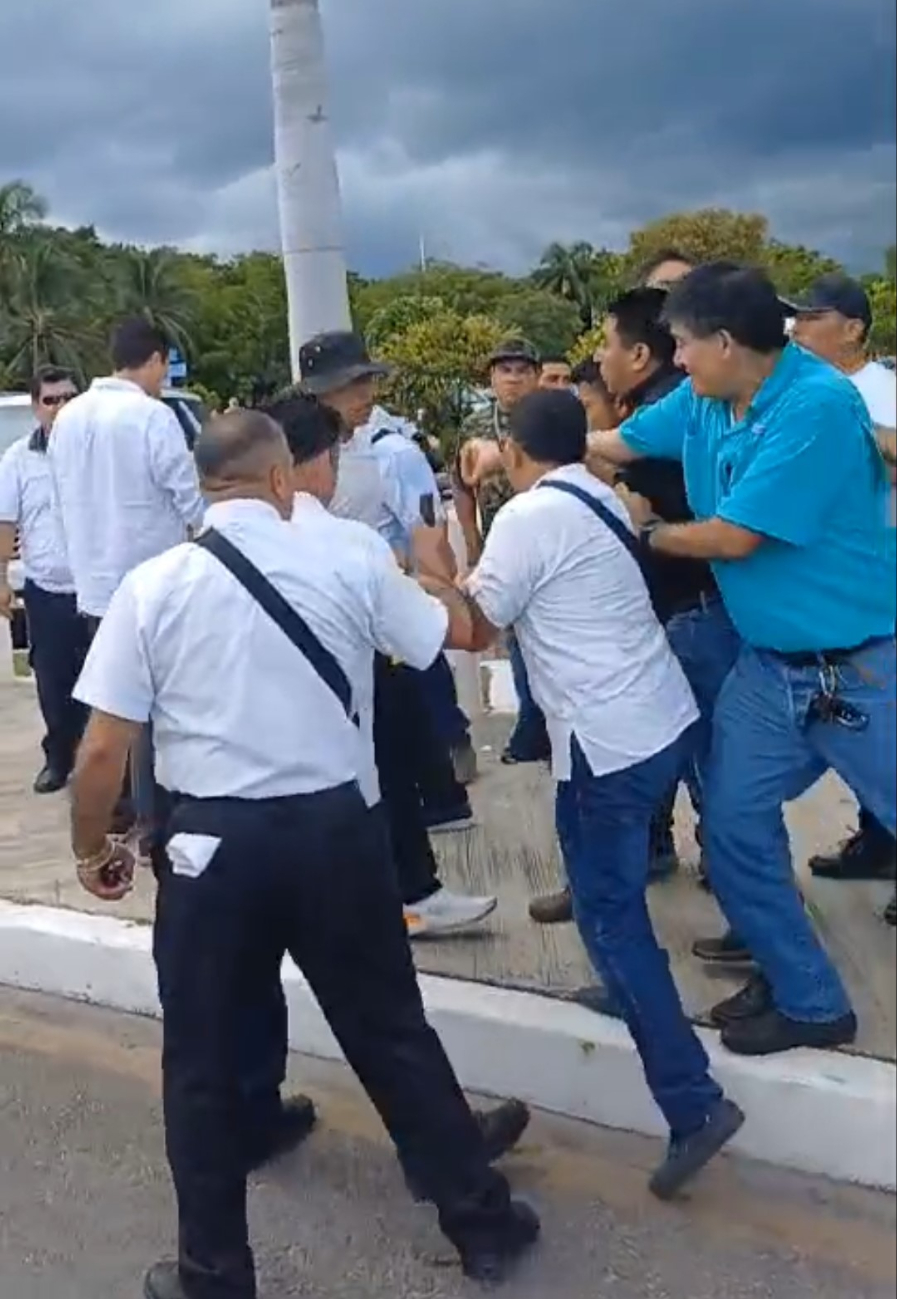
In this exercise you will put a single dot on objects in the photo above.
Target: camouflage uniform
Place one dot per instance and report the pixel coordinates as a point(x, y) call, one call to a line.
point(492, 494)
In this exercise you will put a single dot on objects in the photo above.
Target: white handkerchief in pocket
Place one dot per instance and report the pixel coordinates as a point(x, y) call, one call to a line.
point(190, 854)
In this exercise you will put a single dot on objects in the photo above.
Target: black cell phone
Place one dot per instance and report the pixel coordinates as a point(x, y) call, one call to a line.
point(428, 510)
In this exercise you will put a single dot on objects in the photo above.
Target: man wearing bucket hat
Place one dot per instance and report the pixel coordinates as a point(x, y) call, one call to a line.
point(383, 482)
point(514, 371)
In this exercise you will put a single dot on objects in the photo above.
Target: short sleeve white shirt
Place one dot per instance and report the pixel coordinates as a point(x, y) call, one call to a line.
point(27, 500)
point(237, 710)
point(599, 662)
point(878, 387)
point(125, 483)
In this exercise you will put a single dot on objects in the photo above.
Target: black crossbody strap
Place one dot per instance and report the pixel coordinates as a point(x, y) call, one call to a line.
point(380, 435)
point(279, 610)
point(617, 526)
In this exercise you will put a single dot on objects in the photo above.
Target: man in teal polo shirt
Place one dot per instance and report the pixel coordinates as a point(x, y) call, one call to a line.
point(791, 502)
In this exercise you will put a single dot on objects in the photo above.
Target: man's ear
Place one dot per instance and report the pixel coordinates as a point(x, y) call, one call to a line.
point(641, 357)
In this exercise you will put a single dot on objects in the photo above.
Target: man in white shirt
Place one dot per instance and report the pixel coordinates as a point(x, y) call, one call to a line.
point(834, 321)
point(57, 636)
point(381, 484)
point(561, 565)
point(252, 652)
point(126, 487)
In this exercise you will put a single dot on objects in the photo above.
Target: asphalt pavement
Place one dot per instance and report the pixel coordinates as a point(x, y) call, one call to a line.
point(85, 1202)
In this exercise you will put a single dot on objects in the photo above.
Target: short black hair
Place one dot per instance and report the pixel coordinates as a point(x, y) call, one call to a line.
point(236, 446)
point(742, 300)
point(550, 426)
point(136, 341)
point(554, 358)
point(49, 374)
point(639, 318)
point(647, 269)
point(589, 372)
point(310, 426)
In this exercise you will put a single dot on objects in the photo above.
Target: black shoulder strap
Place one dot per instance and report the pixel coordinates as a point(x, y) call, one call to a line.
point(279, 610)
point(380, 435)
point(617, 526)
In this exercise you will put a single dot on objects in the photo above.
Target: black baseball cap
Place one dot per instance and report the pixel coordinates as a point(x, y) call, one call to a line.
point(334, 360)
point(835, 292)
point(515, 349)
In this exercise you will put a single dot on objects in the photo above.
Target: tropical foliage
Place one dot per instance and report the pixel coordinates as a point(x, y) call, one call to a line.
point(61, 290)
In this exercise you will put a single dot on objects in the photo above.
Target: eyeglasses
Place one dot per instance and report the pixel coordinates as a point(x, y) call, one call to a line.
point(57, 399)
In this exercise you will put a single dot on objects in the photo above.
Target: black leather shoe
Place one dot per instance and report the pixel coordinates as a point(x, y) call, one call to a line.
point(773, 1032)
point(728, 950)
point(754, 999)
point(490, 1260)
point(49, 781)
point(297, 1120)
point(690, 1155)
point(866, 855)
point(502, 1129)
point(164, 1282)
point(552, 909)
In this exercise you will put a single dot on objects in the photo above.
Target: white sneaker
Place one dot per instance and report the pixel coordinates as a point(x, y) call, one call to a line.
point(446, 913)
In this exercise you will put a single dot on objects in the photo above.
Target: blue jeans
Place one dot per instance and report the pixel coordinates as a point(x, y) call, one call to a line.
point(442, 699)
point(768, 749)
point(706, 645)
point(603, 824)
point(529, 738)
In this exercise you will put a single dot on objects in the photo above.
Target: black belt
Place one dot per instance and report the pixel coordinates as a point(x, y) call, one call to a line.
point(823, 658)
point(691, 603)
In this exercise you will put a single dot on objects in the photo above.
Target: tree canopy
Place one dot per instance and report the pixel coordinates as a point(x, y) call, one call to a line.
point(61, 290)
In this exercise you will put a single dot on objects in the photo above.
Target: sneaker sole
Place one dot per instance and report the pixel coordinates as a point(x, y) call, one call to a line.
point(667, 1184)
point(451, 927)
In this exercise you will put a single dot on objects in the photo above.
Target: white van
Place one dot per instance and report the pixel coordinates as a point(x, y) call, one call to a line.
point(17, 421)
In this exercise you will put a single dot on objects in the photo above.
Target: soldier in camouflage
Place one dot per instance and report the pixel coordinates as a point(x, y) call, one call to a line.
point(513, 373)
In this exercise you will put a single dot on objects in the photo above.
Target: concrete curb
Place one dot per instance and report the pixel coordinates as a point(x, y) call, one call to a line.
point(820, 1113)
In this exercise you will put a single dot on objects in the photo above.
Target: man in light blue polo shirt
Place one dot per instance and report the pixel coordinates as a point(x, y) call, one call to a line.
point(791, 502)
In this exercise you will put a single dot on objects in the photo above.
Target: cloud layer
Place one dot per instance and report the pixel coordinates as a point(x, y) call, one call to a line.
point(489, 127)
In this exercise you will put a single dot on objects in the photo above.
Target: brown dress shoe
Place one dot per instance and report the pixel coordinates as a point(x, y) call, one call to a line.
point(553, 909)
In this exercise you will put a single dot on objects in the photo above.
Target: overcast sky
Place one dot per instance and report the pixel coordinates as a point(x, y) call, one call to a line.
point(489, 126)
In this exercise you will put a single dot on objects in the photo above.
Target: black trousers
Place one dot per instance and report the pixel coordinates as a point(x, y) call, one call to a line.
point(59, 641)
point(416, 774)
point(311, 876)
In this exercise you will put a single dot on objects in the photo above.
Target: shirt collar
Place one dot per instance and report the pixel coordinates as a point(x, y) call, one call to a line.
point(39, 439)
point(775, 384)
point(657, 386)
point(305, 503)
point(114, 383)
point(239, 509)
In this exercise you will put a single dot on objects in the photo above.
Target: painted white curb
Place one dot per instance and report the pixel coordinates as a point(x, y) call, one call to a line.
point(817, 1112)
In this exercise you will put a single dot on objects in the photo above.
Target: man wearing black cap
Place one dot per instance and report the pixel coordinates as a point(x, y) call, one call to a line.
point(514, 372)
point(834, 321)
point(381, 483)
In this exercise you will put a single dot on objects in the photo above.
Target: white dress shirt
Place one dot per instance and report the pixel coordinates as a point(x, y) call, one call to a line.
point(878, 388)
point(28, 501)
point(125, 482)
point(237, 710)
point(599, 662)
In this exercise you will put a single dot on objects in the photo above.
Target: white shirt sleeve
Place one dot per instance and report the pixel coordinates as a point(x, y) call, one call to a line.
point(506, 577)
point(881, 399)
point(407, 477)
point(406, 623)
point(10, 487)
point(172, 465)
point(116, 678)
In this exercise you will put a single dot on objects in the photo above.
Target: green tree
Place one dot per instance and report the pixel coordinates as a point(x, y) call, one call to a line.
point(567, 270)
point(706, 235)
point(794, 267)
point(883, 336)
point(150, 283)
point(399, 315)
point(550, 323)
point(44, 321)
point(21, 208)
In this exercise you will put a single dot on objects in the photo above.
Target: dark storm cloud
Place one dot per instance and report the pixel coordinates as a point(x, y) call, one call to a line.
point(488, 126)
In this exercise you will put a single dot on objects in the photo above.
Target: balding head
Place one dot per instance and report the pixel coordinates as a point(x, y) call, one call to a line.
point(244, 455)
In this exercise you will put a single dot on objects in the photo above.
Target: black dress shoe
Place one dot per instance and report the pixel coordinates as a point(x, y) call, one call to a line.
point(690, 1155)
point(728, 950)
point(866, 855)
point(773, 1032)
point(298, 1117)
point(490, 1259)
point(49, 781)
point(552, 909)
point(754, 999)
point(502, 1129)
point(164, 1282)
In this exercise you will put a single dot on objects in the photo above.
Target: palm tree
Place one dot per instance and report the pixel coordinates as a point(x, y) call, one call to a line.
point(148, 283)
point(307, 181)
point(41, 324)
point(567, 270)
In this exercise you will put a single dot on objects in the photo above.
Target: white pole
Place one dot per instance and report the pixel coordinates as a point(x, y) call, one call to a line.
point(307, 182)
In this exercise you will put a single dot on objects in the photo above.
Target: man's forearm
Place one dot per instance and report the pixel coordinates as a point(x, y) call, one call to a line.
point(97, 784)
point(7, 549)
point(887, 443)
point(608, 445)
point(468, 628)
point(711, 539)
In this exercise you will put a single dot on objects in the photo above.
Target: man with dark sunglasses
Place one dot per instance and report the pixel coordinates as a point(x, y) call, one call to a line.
point(57, 636)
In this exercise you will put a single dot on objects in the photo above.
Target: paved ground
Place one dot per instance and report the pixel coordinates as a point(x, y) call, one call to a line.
point(85, 1202)
point(513, 854)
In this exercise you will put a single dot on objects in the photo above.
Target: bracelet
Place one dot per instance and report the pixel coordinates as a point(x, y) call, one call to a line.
point(96, 861)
